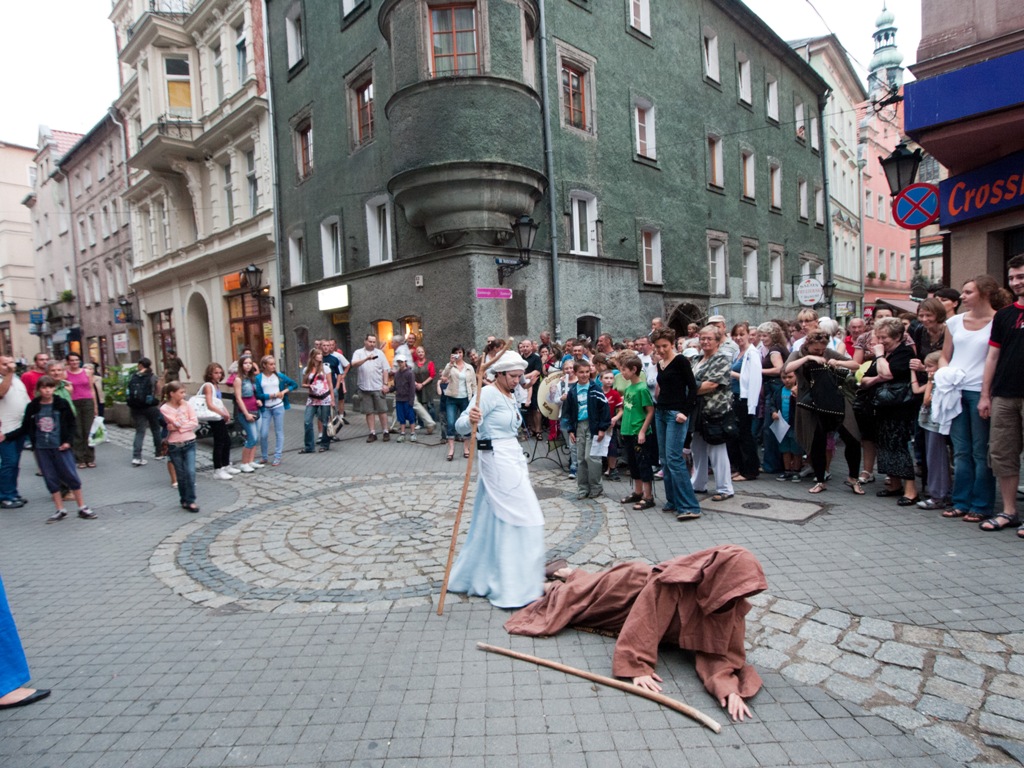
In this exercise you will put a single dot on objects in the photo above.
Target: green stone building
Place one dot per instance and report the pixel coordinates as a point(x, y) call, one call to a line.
point(681, 168)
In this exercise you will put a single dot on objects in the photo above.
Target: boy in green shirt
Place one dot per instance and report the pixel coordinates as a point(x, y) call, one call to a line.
point(637, 440)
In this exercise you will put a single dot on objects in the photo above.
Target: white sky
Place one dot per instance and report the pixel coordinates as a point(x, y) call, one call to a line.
point(58, 57)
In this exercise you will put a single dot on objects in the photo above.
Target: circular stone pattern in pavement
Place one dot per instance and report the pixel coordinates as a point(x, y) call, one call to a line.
point(373, 542)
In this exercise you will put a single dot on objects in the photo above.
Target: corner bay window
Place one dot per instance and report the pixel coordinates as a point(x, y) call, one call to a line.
point(453, 40)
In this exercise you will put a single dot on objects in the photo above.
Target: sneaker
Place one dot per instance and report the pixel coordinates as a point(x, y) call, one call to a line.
point(412, 438)
point(807, 471)
point(581, 495)
point(431, 428)
point(400, 439)
point(797, 477)
point(784, 477)
point(386, 437)
point(223, 474)
point(256, 464)
point(275, 463)
point(12, 504)
point(613, 476)
point(86, 514)
point(57, 516)
point(659, 475)
point(138, 462)
point(372, 437)
point(174, 485)
point(247, 468)
point(232, 469)
point(930, 504)
point(596, 493)
point(572, 474)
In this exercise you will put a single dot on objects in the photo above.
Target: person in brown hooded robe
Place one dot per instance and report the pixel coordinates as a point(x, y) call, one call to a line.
point(695, 601)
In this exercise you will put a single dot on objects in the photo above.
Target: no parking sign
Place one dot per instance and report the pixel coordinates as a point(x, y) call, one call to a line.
point(916, 206)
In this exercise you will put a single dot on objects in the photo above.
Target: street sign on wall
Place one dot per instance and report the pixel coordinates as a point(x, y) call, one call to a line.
point(809, 292)
point(916, 206)
point(494, 293)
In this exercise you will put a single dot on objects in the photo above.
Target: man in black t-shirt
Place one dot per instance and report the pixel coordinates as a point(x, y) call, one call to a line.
point(534, 373)
point(1002, 397)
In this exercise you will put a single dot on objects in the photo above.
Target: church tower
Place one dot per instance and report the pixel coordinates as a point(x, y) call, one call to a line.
point(886, 70)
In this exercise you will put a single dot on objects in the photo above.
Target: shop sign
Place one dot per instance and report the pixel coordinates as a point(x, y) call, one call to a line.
point(332, 298)
point(846, 308)
point(120, 343)
point(494, 293)
point(120, 316)
point(232, 282)
point(993, 188)
point(35, 316)
point(810, 292)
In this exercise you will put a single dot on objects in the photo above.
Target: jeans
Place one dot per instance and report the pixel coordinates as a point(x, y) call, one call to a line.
point(974, 485)
point(252, 430)
point(275, 415)
point(322, 412)
point(10, 457)
point(455, 406)
point(679, 495)
point(183, 457)
point(150, 415)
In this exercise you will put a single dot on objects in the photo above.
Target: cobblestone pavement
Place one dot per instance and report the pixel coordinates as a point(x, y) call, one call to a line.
point(292, 623)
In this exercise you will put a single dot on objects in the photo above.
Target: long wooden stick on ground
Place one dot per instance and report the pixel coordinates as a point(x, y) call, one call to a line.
point(497, 353)
point(636, 690)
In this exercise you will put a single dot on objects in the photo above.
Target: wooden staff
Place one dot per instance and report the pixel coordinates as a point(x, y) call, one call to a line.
point(495, 355)
point(636, 690)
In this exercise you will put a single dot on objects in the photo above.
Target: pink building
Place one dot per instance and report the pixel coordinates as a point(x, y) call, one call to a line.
point(888, 268)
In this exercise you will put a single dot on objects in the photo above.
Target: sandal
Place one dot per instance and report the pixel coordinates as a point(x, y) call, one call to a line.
point(465, 454)
point(820, 488)
point(632, 498)
point(81, 465)
point(722, 497)
point(91, 464)
point(974, 517)
point(954, 513)
point(865, 478)
point(643, 504)
point(1000, 521)
point(854, 486)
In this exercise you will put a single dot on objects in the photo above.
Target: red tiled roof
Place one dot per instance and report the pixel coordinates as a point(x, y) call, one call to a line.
point(64, 141)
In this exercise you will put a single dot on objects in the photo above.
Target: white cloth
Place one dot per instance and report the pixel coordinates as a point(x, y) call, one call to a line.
point(12, 405)
point(271, 385)
point(750, 378)
point(970, 348)
point(947, 388)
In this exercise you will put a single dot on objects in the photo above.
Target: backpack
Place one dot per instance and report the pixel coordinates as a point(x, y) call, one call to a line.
point(140, 391)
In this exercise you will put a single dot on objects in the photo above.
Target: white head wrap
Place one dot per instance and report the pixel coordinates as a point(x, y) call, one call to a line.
point(509, 361)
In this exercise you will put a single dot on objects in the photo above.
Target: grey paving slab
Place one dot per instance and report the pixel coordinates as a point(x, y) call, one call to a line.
point(292, 623)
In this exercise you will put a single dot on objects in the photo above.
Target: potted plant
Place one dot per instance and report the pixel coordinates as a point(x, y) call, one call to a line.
point(882, 276)
point(115, 391)
point(872, 275)
point(67, 296)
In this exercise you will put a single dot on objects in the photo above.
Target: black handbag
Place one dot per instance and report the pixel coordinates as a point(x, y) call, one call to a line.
point(719, 429)
point(890, 395)
point(825, 395)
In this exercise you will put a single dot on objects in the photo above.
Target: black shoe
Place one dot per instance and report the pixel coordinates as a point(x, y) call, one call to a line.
point(86, 514)
point(12, 504)
point(32, 698)
point(57, 516)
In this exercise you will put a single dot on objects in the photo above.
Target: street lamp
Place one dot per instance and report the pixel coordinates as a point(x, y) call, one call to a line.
point(524, 229)
point(251, 277)
point(900, 172)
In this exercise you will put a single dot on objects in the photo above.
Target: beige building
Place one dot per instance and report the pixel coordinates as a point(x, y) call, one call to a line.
point(843, 170)
point(96, 173)
point(54, 255)
point(199, 190)
point(17, 275)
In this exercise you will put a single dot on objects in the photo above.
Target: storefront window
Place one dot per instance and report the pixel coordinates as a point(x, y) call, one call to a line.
point(251, 326)
point(412, 327)
point(385, 330)
point(163, 335)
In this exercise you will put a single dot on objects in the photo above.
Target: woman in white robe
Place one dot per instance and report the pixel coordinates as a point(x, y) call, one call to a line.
point(502, 558)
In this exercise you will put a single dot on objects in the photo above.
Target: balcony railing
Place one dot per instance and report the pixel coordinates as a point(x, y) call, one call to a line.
point(177, 10)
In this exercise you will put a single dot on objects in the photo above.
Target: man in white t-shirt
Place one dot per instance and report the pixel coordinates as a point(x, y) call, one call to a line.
point(374, 375)
point(13, 399)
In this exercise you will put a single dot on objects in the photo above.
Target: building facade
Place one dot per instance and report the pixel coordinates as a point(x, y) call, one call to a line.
point(96, 174)
point(966, 109)
point(843, 168)
point(54, 257)
point(679, 175)
point(887, 246)
point(17, 274)
point(199, 184)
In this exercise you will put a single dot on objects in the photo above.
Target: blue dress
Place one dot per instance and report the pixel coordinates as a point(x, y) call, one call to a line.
point(502, 558)
point(13, 666)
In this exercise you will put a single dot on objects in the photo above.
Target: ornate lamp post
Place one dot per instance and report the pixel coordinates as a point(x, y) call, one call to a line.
point(900, 169)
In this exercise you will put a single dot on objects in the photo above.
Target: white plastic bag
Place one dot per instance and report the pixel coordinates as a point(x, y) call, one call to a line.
point(97, 432)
